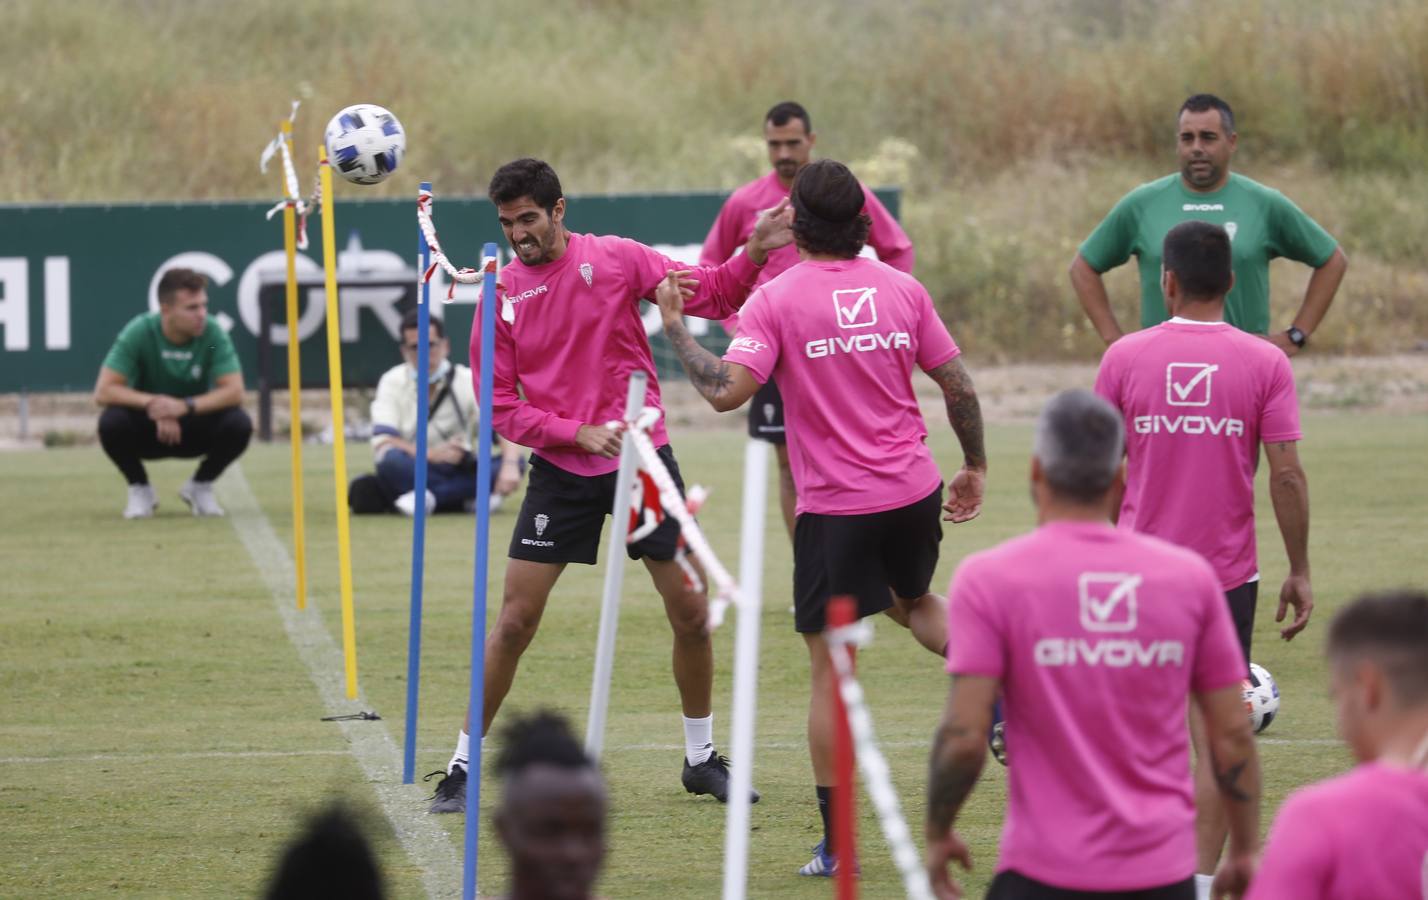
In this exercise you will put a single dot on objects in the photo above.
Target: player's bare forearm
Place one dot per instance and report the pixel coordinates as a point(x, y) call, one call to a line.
point(1289, 493)
point(1090, 290)
point(964, 412)
point(956, 764)
point(1319, 294)
point(709, 374)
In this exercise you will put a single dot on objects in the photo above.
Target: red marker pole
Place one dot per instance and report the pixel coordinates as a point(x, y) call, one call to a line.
point(842, 611)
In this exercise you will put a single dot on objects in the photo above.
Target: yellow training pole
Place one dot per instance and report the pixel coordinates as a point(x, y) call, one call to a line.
point(339, 437)
point(295, 386)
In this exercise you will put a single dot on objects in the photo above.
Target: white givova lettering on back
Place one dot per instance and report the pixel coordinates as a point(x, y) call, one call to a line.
point(1109, 605)
point(1189, 384)
point(857, 308)
point(1203, 207)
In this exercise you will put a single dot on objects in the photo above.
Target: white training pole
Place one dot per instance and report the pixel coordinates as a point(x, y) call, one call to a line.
point(614, 577)
point(746, 667)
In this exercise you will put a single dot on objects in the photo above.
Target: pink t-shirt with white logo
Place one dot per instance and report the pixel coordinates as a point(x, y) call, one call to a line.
point(735, 223)
point(1198, 399)
point(1098, 637)
point(1361, 836)
point(578, 337)
point(842, 338)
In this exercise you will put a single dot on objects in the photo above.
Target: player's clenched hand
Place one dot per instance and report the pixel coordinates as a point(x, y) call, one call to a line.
point(672, 292)
point(772, 229)
point(599, 440)
point(964, 495)
point(940, 853)
point(1233, 876)
point(169, 432)
point(165, 407)
point(1296, 593)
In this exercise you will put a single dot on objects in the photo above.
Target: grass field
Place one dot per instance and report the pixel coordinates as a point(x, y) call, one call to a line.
point(160, 735)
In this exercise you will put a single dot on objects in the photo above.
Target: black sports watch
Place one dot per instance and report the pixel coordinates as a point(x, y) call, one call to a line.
point(1297, 337)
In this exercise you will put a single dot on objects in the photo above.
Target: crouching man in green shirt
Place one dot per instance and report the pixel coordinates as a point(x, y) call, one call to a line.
point(171, 386)
point(1262, 223)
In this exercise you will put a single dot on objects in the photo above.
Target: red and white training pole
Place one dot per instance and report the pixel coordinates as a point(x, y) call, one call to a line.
point(842, 612)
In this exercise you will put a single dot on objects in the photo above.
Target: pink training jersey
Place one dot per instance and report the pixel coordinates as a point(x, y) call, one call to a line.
point(1198, 399)
point(736, 222)
point(841, 338)
point(578, 336)
point(1098, 637)
point(1361, 836)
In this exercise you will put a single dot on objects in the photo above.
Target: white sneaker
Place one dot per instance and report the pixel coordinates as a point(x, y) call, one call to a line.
point(406, 503)
point(199, 497)
point(142, 502)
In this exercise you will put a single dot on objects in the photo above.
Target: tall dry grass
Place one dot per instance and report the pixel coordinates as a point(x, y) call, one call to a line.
point(1012, 126)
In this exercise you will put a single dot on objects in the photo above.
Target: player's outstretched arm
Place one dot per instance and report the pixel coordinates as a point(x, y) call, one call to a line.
point(1236, 767)
point(1289, 492)
point(964, 412)
point(958, 751)
point(725, 385)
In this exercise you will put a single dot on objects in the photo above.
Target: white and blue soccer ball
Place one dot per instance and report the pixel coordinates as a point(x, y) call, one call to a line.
point(365, 143)
point(1261, 697)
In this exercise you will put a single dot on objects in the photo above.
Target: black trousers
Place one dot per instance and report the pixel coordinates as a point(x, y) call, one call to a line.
point(130, 436)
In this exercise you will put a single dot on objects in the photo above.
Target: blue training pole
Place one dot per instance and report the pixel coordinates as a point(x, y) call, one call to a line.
point(487, 362)
point(419, 520)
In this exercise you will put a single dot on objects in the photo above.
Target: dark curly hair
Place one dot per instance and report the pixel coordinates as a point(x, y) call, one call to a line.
point(828, 215)
point(526, 177)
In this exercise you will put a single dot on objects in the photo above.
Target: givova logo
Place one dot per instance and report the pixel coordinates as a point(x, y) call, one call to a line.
point(1108, 603)
point(858, 343)
point(1188, 384)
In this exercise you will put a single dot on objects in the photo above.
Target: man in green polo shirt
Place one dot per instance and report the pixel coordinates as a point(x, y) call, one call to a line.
point(1262, 223)
point(171, 386)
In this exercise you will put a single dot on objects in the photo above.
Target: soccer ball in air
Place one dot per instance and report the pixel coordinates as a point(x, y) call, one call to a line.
point(1261, 697)
point(365, 143)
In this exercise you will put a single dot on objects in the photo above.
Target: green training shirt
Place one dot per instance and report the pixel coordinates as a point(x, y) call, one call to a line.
point(1263, 224)
point(153, 364)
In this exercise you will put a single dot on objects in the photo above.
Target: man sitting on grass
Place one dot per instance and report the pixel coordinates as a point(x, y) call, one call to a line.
point(452, 417)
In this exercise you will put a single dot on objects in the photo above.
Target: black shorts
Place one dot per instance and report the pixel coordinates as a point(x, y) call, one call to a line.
point(1242, 602)
point(1015, 886)
point(766, 414)
point(563, 515)
point(864, 556)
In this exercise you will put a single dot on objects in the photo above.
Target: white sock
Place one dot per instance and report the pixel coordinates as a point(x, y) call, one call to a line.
point(463, 753)
point(698, 739)
point(1202, 886)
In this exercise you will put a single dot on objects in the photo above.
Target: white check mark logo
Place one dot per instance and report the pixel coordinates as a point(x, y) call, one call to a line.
point(1183, 390)
point(850, 315)
point(1102, 609)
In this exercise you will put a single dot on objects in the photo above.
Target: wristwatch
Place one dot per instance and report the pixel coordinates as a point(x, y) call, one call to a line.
point(192, 408)
point(1297, 337)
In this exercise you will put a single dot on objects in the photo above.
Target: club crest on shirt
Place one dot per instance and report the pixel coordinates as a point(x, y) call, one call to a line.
point(196, 372)
point(769, 411)
point(1230, 229)
point(587, 272)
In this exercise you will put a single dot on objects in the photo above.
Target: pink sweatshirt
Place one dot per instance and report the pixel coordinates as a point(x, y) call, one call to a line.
point(577, 337)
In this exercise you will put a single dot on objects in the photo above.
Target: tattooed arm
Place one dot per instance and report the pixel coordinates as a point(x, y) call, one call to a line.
point(725, 385)
point(1289, 492)
point(964, 500)
point(958, 751)
point(1236, 766)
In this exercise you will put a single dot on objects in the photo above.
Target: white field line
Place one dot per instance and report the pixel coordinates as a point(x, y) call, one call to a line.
point(368, 742)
